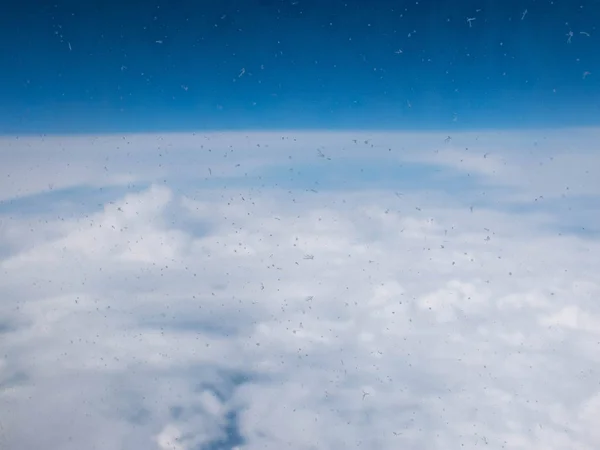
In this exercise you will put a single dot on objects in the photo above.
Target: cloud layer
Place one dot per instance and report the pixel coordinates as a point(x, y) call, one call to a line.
point(145, 307)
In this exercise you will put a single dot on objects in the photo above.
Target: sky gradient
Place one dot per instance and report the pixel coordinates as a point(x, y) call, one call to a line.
point(76, 67)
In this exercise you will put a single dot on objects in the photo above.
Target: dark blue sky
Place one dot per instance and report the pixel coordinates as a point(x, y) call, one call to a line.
point(99, 66)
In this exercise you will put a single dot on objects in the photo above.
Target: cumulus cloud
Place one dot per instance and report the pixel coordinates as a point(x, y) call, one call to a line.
point(186, 309)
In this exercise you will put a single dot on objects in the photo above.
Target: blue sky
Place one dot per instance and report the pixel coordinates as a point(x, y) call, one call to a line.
point(145, 66)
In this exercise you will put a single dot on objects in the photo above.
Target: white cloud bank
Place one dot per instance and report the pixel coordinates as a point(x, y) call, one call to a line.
point(178, 317)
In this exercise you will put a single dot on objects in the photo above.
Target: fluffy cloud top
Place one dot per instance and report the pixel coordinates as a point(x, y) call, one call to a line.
point(146, 305)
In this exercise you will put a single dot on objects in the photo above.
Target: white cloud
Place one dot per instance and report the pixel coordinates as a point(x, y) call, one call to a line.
point(180, 316)
point(168, 439)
